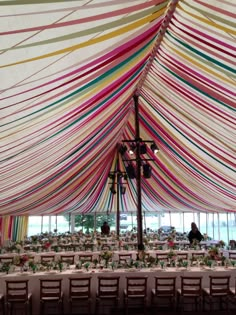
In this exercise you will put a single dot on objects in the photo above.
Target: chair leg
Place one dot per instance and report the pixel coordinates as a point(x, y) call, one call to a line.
point(41, 308)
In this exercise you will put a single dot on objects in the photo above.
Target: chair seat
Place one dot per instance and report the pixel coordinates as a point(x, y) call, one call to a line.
point(18, 299)
point(190, 294)
point(45, 299)
point(107, 296)
point(162, 292)
point(207, 291)
point(134, 294)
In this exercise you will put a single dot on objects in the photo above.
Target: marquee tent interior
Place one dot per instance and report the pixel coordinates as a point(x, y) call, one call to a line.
point(69, 72)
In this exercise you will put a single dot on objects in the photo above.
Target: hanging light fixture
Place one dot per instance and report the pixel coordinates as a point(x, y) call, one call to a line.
point(147, 170)
point(112, 189)
point(154, 148)
point(122, 149)
point(132, 148)
point(130, 170)
point(143, 148)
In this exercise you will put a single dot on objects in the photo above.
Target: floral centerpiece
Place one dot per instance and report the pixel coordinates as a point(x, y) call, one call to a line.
point(21, 261)
point(86, 265)
point(172, 257)
point(5, 267)
point(150, 261)
point(33, 266)
point(221, 243)
point(46, 245)
point(212, 255)
point(106, 256)
point(195, 243)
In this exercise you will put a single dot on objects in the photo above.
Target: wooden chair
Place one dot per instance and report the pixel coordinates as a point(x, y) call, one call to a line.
point(198, 255)
point(18, 296)
point(107, 293)
point(105, 247)
point(69, 259)
point(232, 244)
point(183, 256)
point(218, 292)
point(190, 293)
point(80, 294)
point(6, 259)
point(47, 259)
point(135, 294)
point(123, 258)
point(162, 256)
point(164, 293)
point(51, 295)
point(2, 304)
point(88, 246)
point(233, 296)
point(86, 257)
point(232, 255)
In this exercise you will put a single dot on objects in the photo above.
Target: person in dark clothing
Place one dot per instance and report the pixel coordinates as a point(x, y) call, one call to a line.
point(105, 228)
point(194, 234)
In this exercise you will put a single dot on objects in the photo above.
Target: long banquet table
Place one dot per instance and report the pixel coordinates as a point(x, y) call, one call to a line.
point(123, 273)
point(96, 253)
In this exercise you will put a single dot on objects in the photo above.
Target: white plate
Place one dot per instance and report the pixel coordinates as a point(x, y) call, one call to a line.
point(131, 270)
point(77, 271)
point(104, 270)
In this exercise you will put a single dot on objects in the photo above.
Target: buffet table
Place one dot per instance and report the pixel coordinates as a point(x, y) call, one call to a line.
point(123, 273)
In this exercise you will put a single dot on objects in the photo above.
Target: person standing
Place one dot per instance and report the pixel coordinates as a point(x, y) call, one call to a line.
point(195, 234)
point(105, 228)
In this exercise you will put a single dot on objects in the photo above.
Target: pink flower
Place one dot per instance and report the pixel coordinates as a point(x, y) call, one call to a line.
point(171, 244)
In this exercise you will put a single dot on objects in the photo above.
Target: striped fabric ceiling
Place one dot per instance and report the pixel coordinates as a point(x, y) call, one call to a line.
point(69, 71)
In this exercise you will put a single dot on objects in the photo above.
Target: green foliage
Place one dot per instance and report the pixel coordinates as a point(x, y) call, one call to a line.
point(86, 222)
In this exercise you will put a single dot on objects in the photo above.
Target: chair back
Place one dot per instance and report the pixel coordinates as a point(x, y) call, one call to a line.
point(108, 287)
point(196, 255)
point(50, 288)
point(232, 254)
point(183, 256)
point(86, 257)
point(219, 285)
point(69, 259)
point(80, 287)
point(123, 258)
point(105, 247)
point(136, 286)
point(165, 286)
point(232, 244)
point(16, 290)
point(47, 258)
point(6, 259)
point(191, 286)
point(162, 256)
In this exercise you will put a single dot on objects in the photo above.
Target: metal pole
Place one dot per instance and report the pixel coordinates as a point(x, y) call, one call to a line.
point(42, 224)
point(227, 217)
point(56, 222)
point(70, 222)
point(95, 223)
point(118, 204)
point(138, 178)
point(218, 219)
